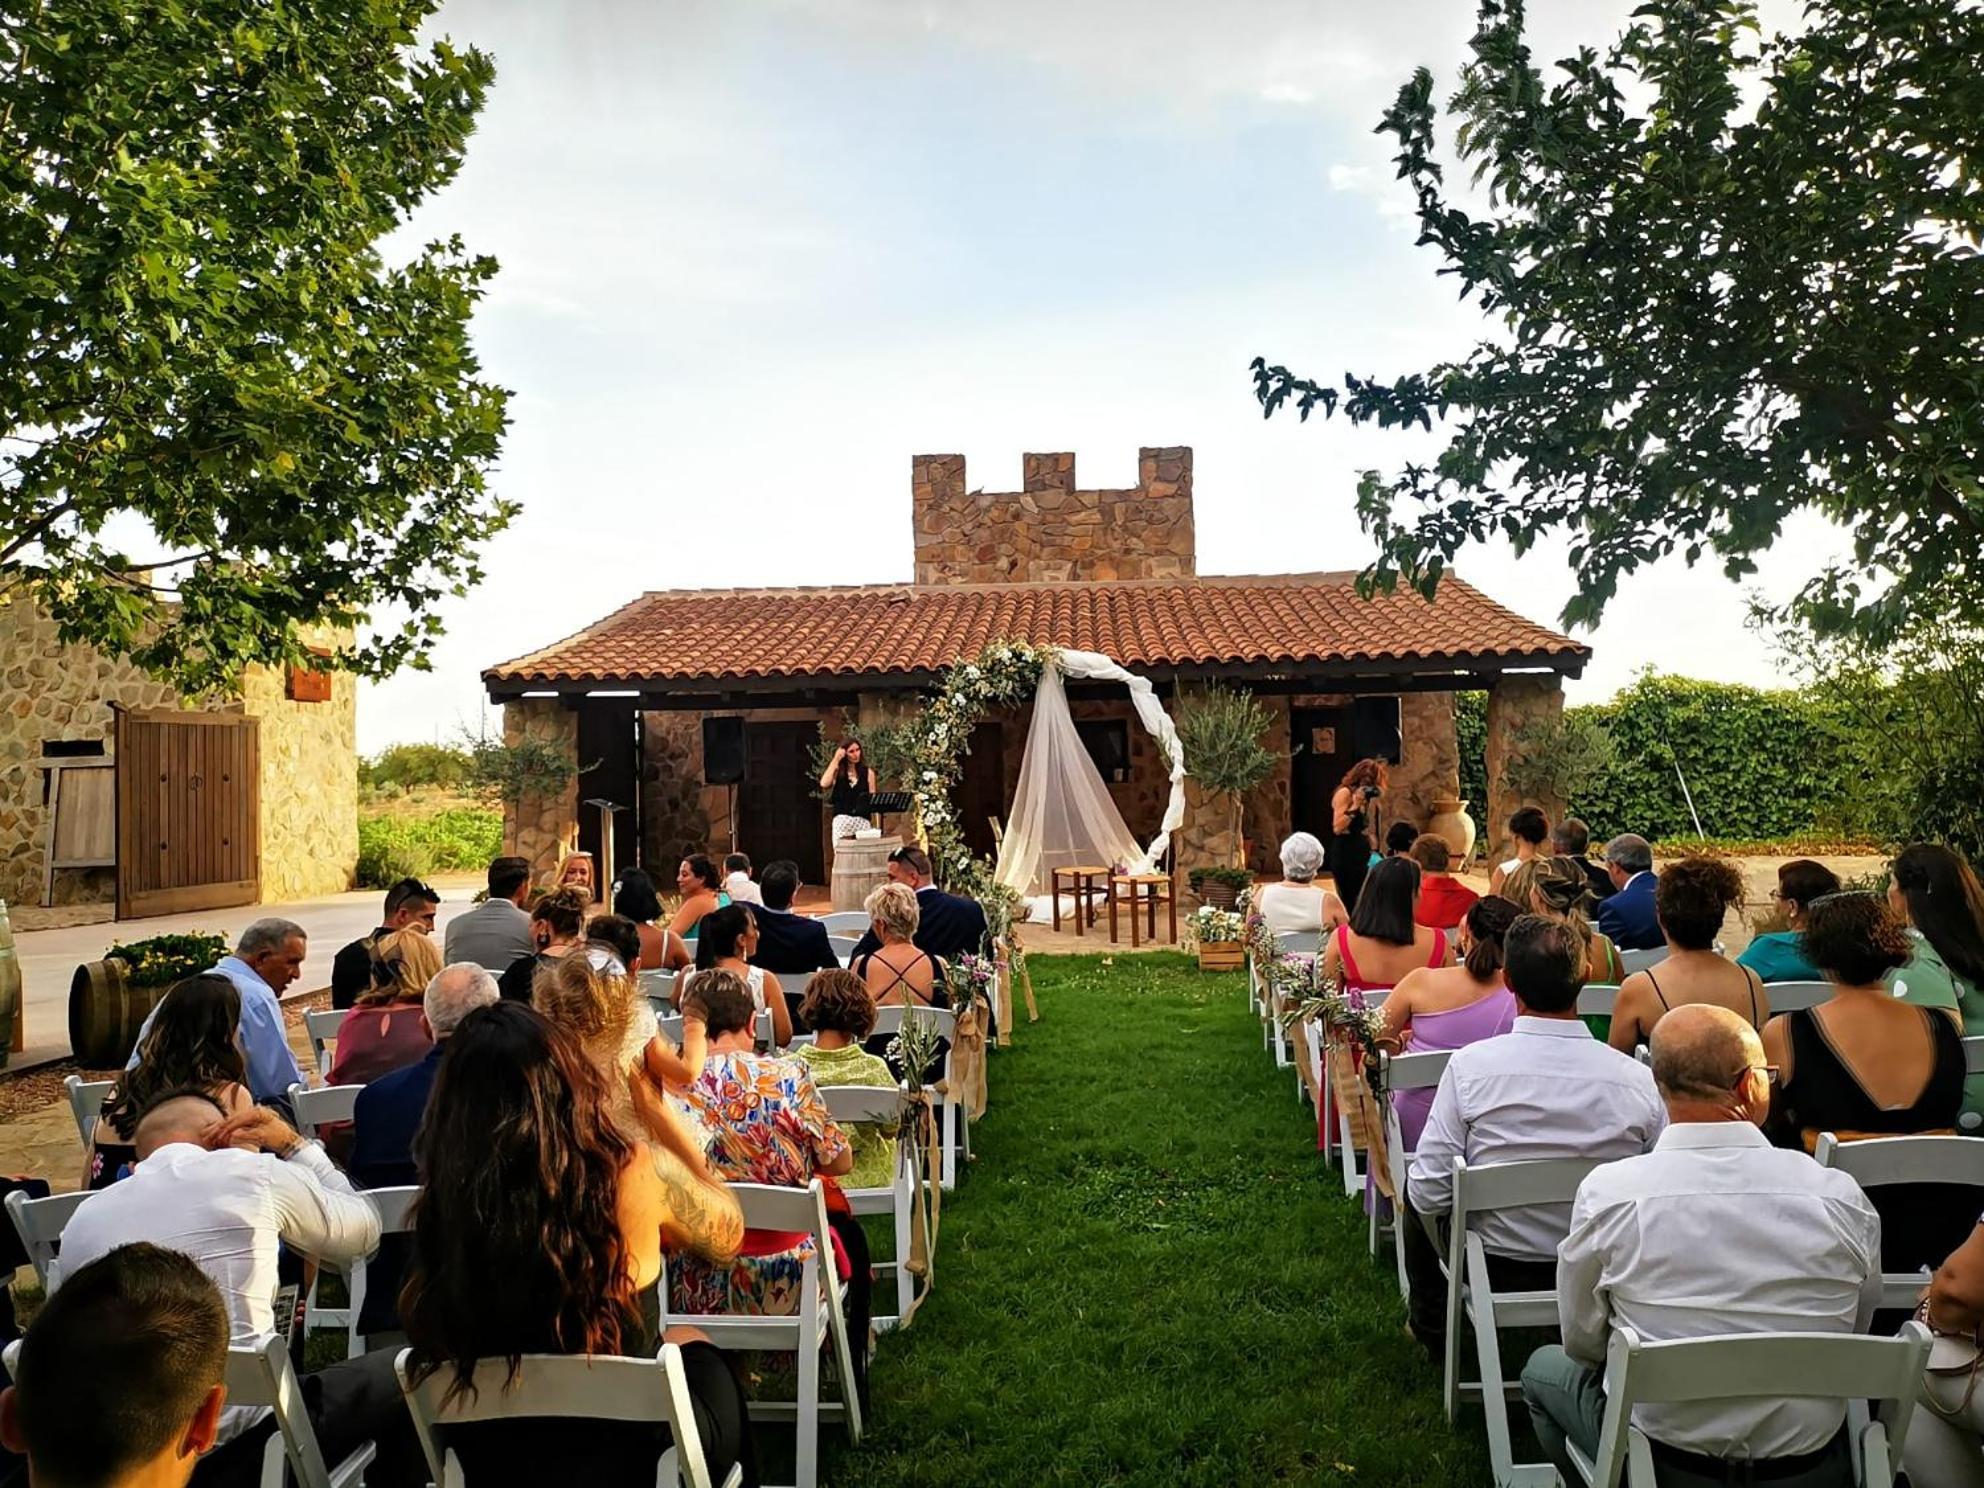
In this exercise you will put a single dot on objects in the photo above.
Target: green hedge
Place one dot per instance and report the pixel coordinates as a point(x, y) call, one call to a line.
point(393, 847)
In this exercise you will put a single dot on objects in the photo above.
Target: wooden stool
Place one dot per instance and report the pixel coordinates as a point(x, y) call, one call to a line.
point(1146, 889)
point(1081, 883)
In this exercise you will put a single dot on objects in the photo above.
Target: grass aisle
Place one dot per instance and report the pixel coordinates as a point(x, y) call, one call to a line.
point(1145, 1278)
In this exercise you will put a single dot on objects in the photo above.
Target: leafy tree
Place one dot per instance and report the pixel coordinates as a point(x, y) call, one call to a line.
point(1221, 729)
point(224, 416)
point(1736, 278)
point(409, 765)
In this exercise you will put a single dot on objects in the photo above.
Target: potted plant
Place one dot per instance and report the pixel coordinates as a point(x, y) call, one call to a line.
point(1220, 886)
point(109, 999)
point(1216, 934)
point(1221, 730)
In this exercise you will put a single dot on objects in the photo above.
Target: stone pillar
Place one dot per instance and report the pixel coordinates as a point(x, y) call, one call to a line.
point(1269, 812)
point(543, 826)
point(675, 819)
point(1208, 837)
point(1429, 761)
point(1513, 702)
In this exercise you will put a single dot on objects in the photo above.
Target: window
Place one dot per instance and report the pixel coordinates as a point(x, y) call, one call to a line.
point(1108, 744)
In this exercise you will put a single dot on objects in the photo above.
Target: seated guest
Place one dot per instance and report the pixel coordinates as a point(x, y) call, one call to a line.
point(558, 926)
point(1443, 899)
point(1382, 942)
point(1449, 1007)
point(1399, 837)
point(1779, 955)
point(788, 944)
point(188, 1047)
point(410, 905)
point(121, 1379)
point(1555, 889)
point(1546, 1088)
point(737, 880)
point(385, 1030)
point(267, 959)
point(543, 1228)
point(897, 970)
point(768, 1125)
point(701, 887)
point(841, 1014)
point(634, 899)
point(1691, 899)
point(1571, 838)
point(496, 933)
point(1628, 916)
point(729, 937)
point(1298, 903)
point(948, 925)
point(1864, 1064)
point(619, 939)
point(1936, 896)
point(231, 1192)
point(1529, 829)
point(1714, 1231)
point(1946, 1441)
point(388, 1111)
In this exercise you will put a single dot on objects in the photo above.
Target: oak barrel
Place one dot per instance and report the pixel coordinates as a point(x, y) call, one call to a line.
point(105, 1013)
point(860, 865)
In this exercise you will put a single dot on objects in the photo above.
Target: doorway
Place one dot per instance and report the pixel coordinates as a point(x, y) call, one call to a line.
point(1321, 749)
point(981, 793)
point(777, 814)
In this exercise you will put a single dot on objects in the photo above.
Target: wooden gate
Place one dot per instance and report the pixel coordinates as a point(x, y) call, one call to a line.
point(188, 812)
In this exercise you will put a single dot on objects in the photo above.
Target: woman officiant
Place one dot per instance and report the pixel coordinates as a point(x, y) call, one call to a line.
point(851, 789)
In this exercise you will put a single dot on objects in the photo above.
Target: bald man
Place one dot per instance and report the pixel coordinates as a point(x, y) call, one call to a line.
point(1714, 1231)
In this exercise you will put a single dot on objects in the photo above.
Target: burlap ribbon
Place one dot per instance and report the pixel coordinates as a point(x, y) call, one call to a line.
point(967, 1082)
point(925, 1156)
point(1351, 1092)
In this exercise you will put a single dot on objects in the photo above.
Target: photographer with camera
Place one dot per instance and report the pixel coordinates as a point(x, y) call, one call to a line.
point(1351, 809)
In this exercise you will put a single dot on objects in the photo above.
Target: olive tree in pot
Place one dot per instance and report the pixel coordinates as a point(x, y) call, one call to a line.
point(1221, 729)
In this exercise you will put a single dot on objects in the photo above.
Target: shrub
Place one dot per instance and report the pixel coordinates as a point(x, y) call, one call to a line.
point(400, 846)
point(161, 960)
point(408, 765)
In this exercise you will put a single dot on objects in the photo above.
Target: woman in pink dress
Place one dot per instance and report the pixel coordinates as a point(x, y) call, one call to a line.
point(1449, 1007)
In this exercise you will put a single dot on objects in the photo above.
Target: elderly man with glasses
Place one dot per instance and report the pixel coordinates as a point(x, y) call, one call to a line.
point(1713, 1231)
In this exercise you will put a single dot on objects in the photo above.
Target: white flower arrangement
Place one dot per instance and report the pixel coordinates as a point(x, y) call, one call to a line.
point(1212, 926)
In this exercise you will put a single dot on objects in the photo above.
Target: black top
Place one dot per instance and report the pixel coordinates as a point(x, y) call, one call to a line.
point(852, 798)
point(517, 977)
point(351, 971)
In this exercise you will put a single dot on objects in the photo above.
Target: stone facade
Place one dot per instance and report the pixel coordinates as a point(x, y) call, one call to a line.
point(1429, 762)
point(53, 692)
point(1050, 530)
point(679, 813)
point(543, 827)
point(1513, 702)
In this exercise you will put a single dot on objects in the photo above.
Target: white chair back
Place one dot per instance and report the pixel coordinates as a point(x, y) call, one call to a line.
point(1398, 1072)
point(263, 1375)
point(1791, 997)
point(1973, 1055)
point(1597, 998)
point(324, 1106)
point(575, 1386)
point(1632, 961)
point(659, 986)
point(86, 1098)
point(843, 946)
point(1876, 1162)
point(851, 922)
point(1299, 942)
point(393, 1205)
point(39, 1223)
point(952, 1127)
point(881, 1105)
point(1805, 1366)
point(670, 1025)
point(322, 1026)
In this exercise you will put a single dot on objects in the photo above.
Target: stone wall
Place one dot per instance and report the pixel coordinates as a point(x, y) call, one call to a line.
point(1050, 530)
point(309, 785)
point(1513, 702)
point(1270, 805)
point(1429, 762)
point(543, 826)
point(679, 813)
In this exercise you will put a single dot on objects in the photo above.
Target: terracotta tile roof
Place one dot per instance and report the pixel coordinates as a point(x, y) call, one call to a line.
point(687, 635)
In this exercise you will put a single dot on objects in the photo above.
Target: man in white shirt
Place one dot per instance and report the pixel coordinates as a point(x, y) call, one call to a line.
point(1545, 1089)
point(1714, 1231)
point(229, 1192)
point(495, 935)
point(737, 881)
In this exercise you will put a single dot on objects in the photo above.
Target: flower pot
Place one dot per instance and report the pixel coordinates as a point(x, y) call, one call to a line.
point(1220, 955)
point(1451, 822)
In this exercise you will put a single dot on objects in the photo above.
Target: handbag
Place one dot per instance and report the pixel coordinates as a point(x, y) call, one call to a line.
point(1952, 1357)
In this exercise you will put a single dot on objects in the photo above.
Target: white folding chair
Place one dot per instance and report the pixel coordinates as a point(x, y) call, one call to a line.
point(1404, 1072)
point(1973, 1055)
point(1347, 1148)
point(86, 1098)
point(1803, 1366)
point(849, 922)
point(1288, 943)
point(819, 1324)
point(953, 1128)
point(263, 1375)
point(1791, 997)
point(1877, 1162)
point(1632, 961)
point(843, 946)
point(392, 1204)
point(1597, 999)
point(670, 1025)
point(322, 1026)
point(588, 1387)
point(660, 989)
point(761, 1029)
point(325, 1106)
point(39, 1223)
point(881, 1105)
point(1471, 1296)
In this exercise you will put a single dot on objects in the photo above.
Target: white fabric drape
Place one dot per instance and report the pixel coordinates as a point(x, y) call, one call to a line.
point(1062, 813)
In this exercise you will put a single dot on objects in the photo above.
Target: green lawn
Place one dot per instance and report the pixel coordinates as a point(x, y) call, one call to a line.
point(1148, 1276)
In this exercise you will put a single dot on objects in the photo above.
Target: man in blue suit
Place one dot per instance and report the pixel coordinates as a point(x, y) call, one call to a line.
point(1628, 916)
point(789, 945)
point(947, 925)
point(388, 1111)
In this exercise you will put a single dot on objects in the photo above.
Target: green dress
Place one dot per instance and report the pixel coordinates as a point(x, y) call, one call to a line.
point(1928, 980)
point(874, 1154)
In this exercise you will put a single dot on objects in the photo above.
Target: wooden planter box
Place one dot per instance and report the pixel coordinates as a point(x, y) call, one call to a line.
point(1221, 955)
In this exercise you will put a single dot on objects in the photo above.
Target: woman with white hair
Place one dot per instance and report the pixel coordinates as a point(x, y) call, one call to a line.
point(1299, 902)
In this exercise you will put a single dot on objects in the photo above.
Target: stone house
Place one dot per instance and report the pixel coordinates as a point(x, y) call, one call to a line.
point(166, 806)
point(640, 699)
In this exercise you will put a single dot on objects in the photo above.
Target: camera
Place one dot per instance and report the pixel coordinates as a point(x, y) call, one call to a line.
point(1371, 793)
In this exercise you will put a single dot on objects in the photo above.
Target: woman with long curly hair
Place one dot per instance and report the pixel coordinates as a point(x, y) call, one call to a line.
point(541, 1228)
point(1691, 900)
point(193, 1047)
point(1351, 805)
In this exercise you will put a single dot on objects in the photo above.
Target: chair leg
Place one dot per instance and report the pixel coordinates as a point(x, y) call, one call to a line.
point(807, 1429)
point(905, 1283)
point(1494, 1398)
point(1450, 1383)
point(947, 1115)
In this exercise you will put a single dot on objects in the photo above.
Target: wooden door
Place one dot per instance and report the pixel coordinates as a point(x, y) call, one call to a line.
point(777, 813)
point(189, 821)
point(1322, 749)
point(981, 792)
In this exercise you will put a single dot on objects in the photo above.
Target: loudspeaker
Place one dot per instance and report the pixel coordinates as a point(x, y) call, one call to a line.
point(723, 751)
point(1374, 729)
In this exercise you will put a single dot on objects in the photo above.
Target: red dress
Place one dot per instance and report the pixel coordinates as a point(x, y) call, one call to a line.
point(1355, 985)
point(1444, 902)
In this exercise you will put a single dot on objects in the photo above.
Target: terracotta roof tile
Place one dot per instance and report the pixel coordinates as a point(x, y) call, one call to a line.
point(686, 635)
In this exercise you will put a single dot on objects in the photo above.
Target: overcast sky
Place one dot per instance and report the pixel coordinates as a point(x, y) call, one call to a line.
point(757, 253)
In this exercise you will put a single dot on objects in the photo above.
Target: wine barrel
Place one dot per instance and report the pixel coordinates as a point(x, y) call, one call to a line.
point(105, 1013)
point(860, 863)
